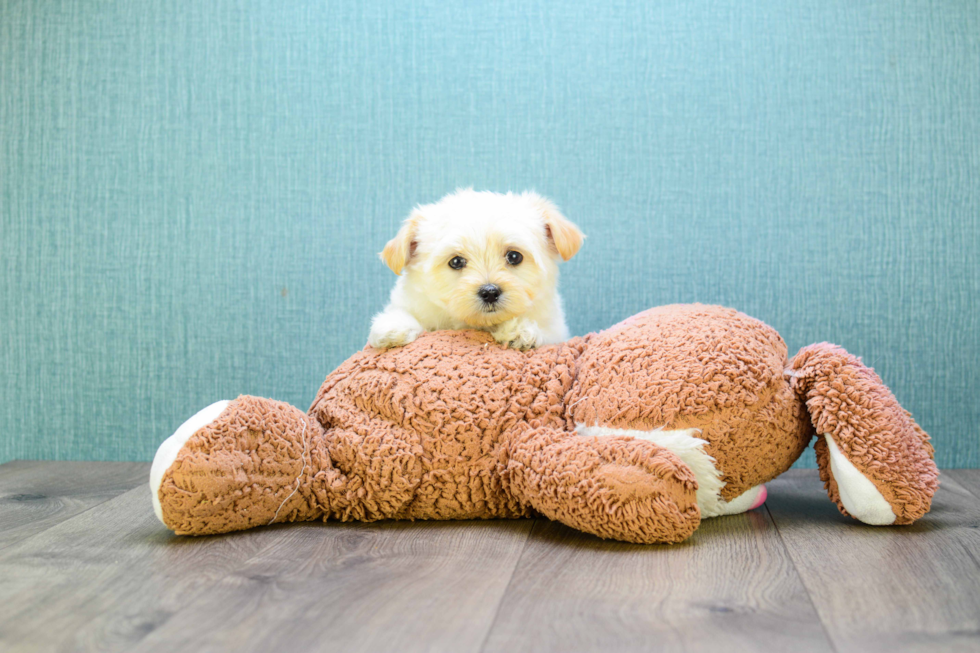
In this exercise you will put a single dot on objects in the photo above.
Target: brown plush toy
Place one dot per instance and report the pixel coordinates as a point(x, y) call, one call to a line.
point(635, 433)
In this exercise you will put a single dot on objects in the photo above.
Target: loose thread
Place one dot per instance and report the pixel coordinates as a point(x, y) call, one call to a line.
point(299, 479)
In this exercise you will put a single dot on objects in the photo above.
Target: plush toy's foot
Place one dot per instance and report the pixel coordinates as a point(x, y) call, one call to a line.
point(168, 450)
point(875, 461)
point(235, 465)
point(615, 487)
point(855, 491)
point(686, 445)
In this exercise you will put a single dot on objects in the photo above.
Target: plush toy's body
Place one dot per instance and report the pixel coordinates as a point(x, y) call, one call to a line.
point(635, 433)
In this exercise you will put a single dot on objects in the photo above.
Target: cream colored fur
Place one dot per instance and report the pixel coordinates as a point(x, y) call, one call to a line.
point(481, 228)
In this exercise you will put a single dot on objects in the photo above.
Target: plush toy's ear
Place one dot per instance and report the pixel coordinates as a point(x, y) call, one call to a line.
point(399, 249)
point(562, 233)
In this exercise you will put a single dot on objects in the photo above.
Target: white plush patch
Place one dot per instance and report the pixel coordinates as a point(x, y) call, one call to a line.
point(858, 494)
point(743, 502)
point(167, 452)
point(690, 449)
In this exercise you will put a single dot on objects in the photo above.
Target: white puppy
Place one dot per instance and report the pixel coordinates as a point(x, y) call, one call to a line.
point(478, 260)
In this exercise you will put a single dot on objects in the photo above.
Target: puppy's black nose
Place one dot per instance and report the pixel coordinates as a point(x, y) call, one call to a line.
point(489, 293)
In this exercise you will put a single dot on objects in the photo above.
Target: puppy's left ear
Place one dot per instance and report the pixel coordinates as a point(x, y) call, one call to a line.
point(399, 249)
point(562, 232)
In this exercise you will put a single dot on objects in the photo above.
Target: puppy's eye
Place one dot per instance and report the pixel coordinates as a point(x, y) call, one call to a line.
point(457, 262)
point(514, 258)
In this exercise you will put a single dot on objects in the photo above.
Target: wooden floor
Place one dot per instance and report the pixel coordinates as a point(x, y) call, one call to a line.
point(85, 566)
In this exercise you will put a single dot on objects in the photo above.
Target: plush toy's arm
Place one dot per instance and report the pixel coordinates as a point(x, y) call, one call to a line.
point(614, 487)
point(244, 463)
point(875, 461)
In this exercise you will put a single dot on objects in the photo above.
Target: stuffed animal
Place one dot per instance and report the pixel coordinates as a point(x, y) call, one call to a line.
point(636, 433)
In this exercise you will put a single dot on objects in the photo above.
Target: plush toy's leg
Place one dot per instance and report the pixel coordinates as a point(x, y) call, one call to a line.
point(614, 487)
point(240, 464)
point(875, 461)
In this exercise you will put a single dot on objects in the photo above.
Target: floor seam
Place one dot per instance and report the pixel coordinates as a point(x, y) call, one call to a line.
point(809, 596)
point(966, 488)
point(4, 547)
point(510, 581)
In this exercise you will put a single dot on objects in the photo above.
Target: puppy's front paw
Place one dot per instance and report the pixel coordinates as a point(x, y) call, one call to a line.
point(519, 333)
point(393, 331)
point(389, 339)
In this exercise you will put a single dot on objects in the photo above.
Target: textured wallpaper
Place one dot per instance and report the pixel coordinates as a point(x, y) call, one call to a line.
point(192, 194)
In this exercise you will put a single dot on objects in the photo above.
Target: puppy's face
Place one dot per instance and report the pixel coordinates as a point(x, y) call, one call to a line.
point(483, 257)
point(486, 276)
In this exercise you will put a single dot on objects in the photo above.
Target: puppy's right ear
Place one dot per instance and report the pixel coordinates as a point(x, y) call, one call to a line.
point(399, 249)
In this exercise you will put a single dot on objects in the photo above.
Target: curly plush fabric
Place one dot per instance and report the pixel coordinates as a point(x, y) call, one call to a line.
point(236, 472)
point(703, 367)
point(453, 426)
point(848, 401)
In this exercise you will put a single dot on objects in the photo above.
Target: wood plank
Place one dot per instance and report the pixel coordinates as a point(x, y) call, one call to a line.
point(969, 537)
point(387, 586)
point(111, 578)
point(730, 587)
point(968, 478)
point(909, 588)
point(104, 579)
point(36, 495)
point(18, 465)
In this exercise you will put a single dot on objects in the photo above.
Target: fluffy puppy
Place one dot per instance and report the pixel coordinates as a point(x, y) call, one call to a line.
point(478, 260)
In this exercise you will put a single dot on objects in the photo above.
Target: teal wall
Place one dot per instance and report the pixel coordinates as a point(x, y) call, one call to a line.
point(192, 193)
